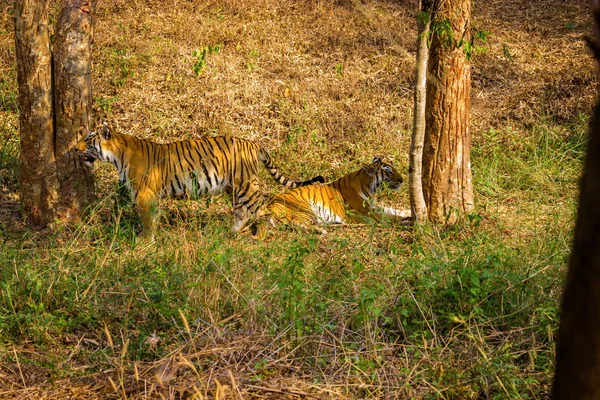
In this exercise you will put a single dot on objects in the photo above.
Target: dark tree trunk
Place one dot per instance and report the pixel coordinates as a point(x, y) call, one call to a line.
point(578, 354)
point(447, 182)
point(73, 104)
point(38, 177)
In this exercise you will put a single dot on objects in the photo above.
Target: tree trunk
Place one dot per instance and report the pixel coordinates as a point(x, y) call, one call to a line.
point(578, 354)
point(73, 105)
point(447, 181)
point(55, 106)
point(415, 168)
point(38, 177)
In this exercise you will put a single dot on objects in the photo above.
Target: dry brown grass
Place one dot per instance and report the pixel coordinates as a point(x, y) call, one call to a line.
point(537, 65)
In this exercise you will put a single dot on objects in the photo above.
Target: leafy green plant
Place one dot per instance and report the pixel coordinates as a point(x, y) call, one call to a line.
point(293, 288)
point(507, 53)
point(368, 311)
point(105, 103)
point(474, 45)
point(201, 57)
point(424, 17)
point(252, 63)
point(121, 65)
point(443, 29)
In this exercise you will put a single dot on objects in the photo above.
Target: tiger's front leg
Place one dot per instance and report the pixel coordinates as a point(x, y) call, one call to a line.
point(247, 204)
point(391, 214)
point(146, 207)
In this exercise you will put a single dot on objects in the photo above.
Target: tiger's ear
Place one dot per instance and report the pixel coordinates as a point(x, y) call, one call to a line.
point(104, 131)
point(376, 160)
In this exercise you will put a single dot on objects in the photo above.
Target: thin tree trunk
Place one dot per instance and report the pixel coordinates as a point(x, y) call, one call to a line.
point(577, 374)
point(447, 181)
point(415, 169)
point(73, 104)
point(38, 177)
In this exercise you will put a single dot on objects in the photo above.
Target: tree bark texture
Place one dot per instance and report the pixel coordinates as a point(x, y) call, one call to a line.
point(447, 179)
point(38, 177)
point(577, 373)
point(73, 104)
point(415, 168)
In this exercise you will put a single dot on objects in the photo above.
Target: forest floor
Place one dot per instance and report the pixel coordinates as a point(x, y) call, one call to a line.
point(374, 311)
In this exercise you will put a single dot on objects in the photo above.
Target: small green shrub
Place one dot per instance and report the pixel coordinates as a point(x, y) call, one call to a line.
point(201, 56)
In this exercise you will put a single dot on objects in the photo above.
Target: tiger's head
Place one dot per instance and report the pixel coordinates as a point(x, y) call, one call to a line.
point(383, 173)
point(96, 145)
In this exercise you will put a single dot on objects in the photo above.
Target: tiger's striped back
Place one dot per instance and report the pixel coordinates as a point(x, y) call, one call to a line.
point(189, 168)
point(348, 199)
point(308, 205)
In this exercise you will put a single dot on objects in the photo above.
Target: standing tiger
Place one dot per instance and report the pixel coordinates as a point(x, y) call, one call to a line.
point(348, 199)
point(186, 168)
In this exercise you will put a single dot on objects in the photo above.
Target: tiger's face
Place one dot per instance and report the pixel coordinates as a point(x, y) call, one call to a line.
point(385, 173)
point(95, 145)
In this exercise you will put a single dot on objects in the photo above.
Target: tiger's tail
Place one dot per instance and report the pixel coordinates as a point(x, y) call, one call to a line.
point(287, 182)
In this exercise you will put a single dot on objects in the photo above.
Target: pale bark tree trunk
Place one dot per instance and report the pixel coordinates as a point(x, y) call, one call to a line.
point(415, 168)
point(38, 177)
point(73, 104)
point(54, 183)
point(447, 180)
point(577, 374)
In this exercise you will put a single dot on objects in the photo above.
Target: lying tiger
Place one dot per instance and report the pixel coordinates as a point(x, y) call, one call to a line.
point(189, 168)
point(346, 200)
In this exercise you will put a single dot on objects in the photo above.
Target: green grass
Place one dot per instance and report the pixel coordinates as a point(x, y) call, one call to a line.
point(456, 299)
point(459, 312)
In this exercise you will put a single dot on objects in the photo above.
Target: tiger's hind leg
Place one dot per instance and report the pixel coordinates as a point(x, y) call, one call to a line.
point(247, 204)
